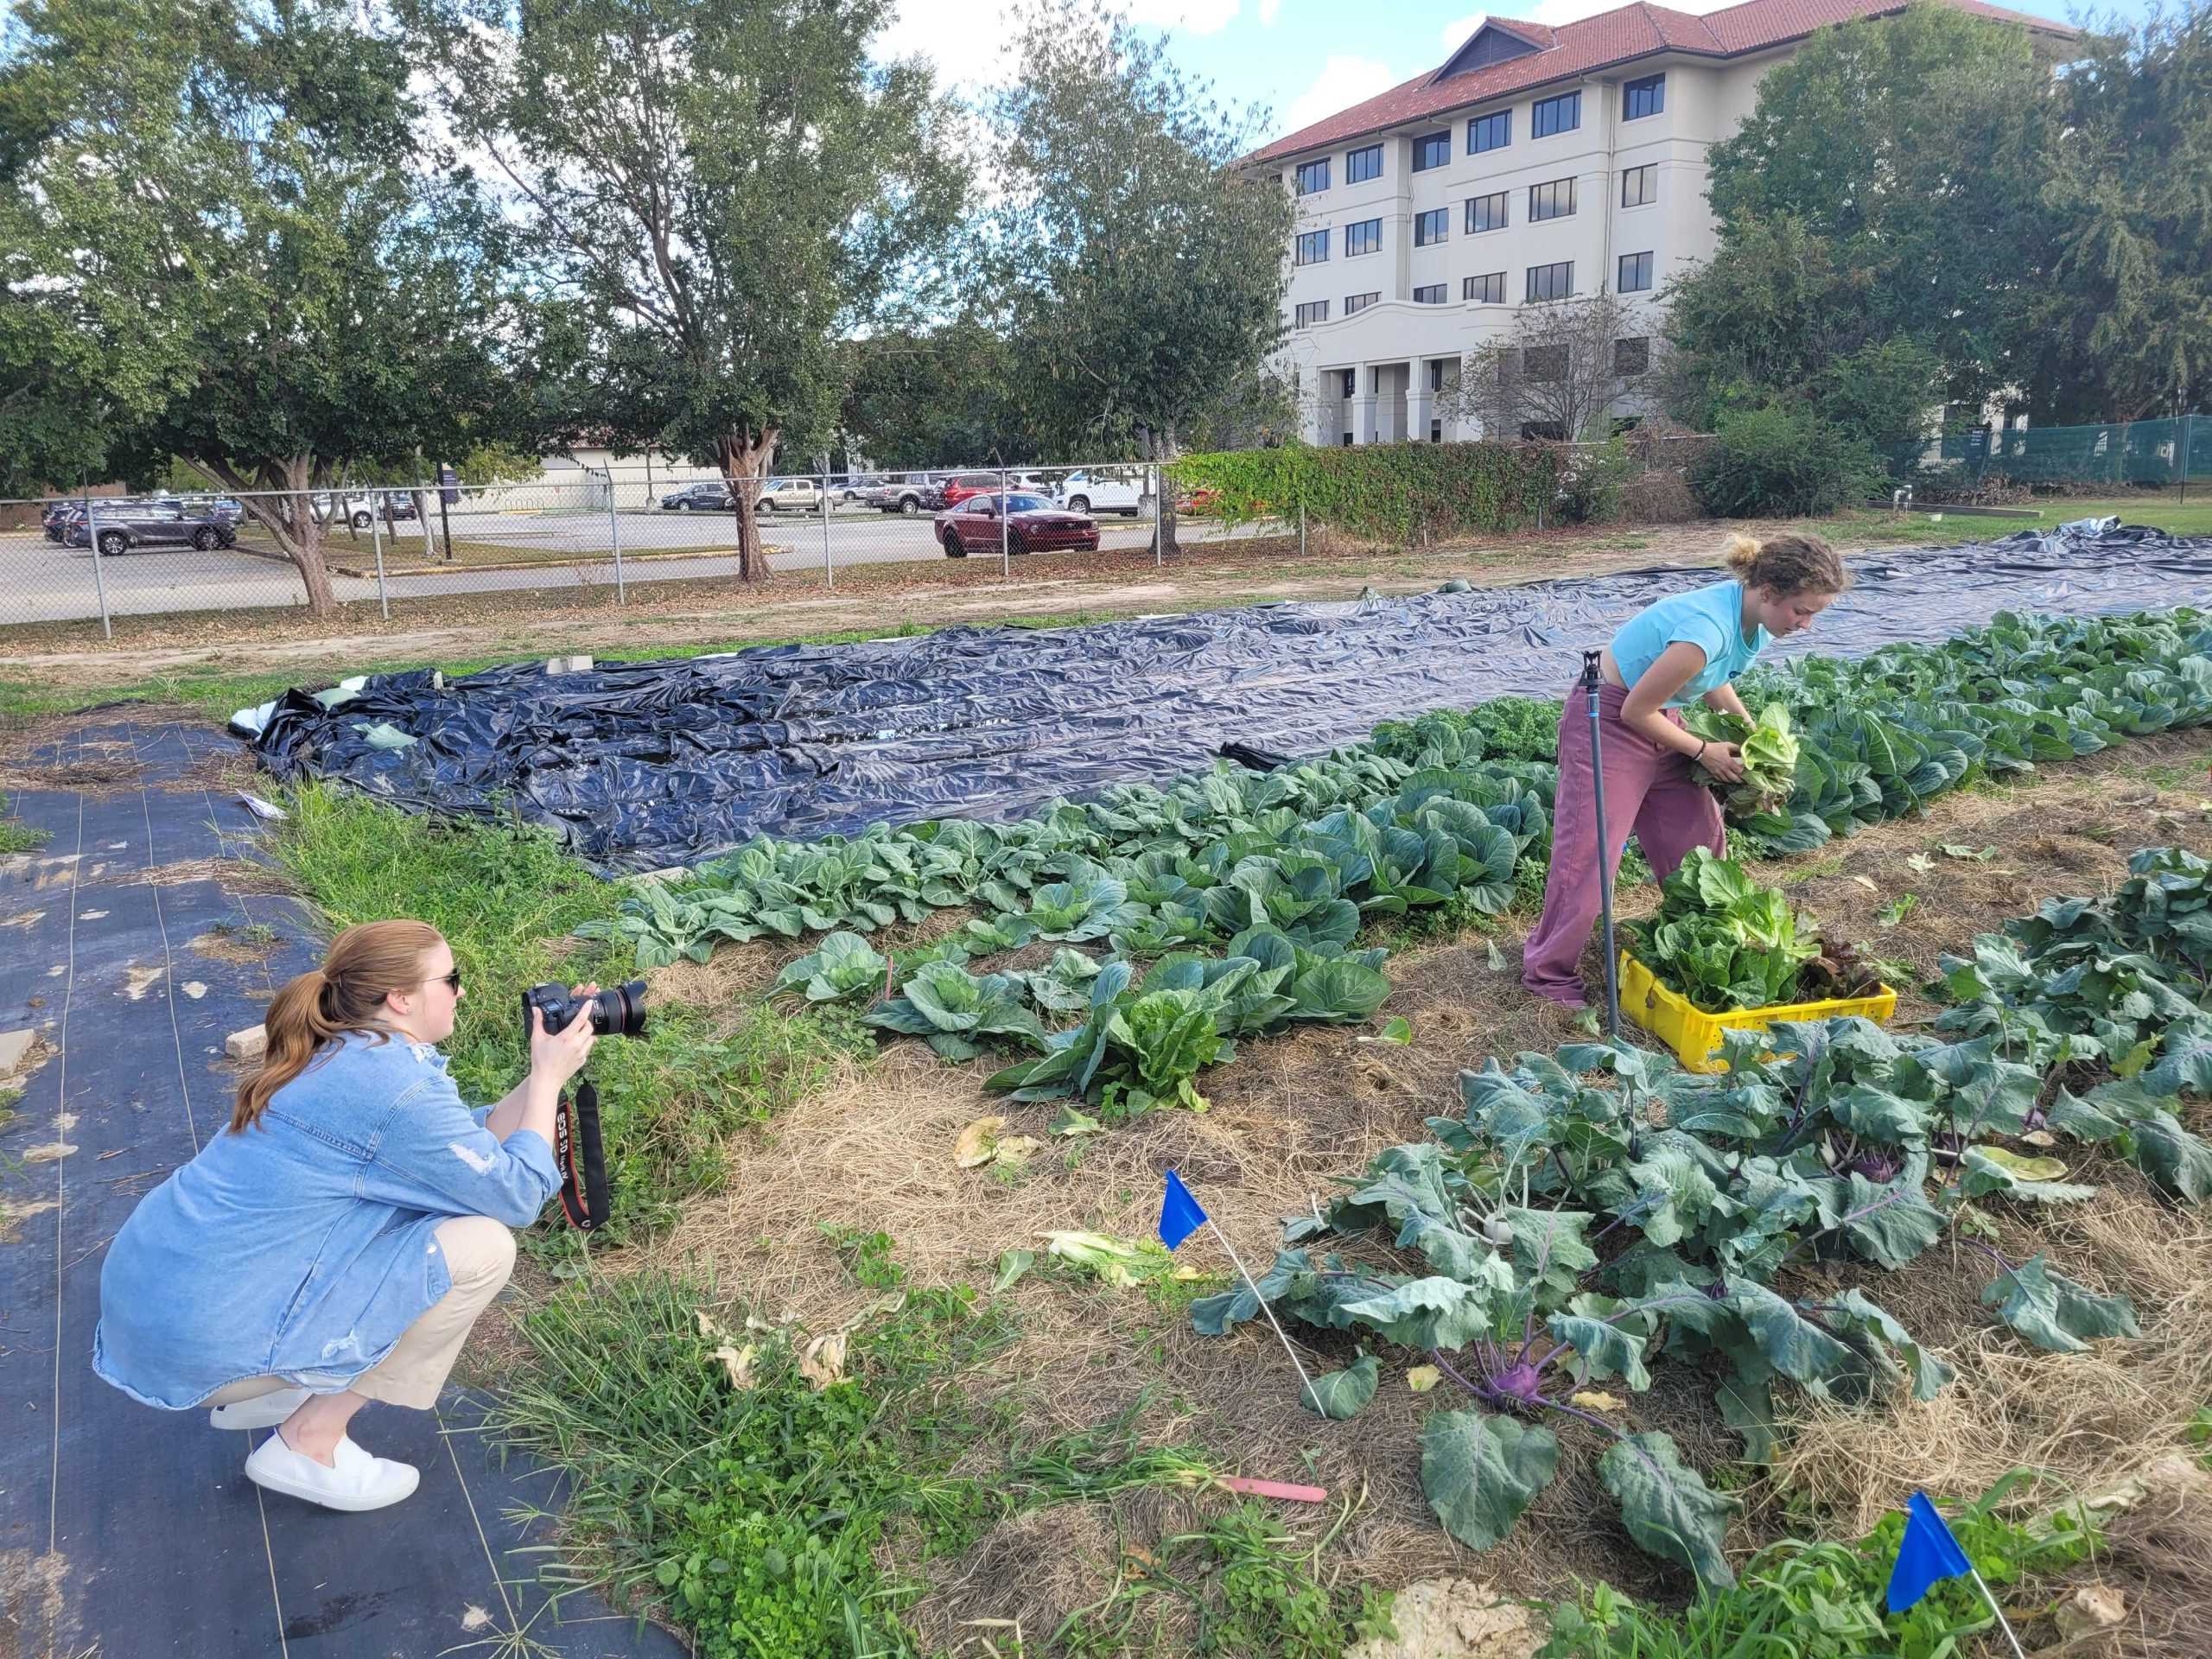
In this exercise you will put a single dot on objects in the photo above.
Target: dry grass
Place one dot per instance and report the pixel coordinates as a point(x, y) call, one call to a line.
point(2158, 1556)
point(2080, 1422)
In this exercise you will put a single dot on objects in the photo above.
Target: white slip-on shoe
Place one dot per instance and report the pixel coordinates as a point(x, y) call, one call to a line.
point(356, 1481)
point(263, 1411)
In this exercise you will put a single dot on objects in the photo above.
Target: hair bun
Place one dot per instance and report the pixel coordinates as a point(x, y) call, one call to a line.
point(1741, 553)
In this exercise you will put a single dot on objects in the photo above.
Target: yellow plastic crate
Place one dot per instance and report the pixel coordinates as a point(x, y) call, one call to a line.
point(1694, 1035)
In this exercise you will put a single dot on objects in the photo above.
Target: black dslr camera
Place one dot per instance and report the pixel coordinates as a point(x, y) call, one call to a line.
point(620, 1012)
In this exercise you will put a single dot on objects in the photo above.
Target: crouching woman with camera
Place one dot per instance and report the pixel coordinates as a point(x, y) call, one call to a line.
point(334, 1244)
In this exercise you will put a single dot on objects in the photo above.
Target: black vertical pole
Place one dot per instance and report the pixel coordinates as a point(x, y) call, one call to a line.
point(446, 479)
point(1590, 683)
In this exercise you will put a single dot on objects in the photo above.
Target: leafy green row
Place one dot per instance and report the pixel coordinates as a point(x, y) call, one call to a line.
point(1591, 1213)
point(1878, 738)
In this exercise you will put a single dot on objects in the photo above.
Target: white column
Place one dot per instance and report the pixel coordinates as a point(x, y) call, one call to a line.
point(1365, 408)
point(1417, 398)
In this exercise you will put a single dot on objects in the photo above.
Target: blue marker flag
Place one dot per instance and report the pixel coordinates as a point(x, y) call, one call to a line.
point(1180, 1215)
point(1929, 1554)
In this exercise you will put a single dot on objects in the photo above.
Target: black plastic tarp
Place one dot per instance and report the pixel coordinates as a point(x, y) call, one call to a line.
point(642, 764)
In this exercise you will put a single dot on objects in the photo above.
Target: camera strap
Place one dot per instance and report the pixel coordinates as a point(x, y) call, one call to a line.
point(577, 1150)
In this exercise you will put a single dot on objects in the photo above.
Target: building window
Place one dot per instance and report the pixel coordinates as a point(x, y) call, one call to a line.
point(1436, 374)
point(1636, 273)
point(1436, 431)
point(1632, 356)
point(1551, 282)
point(1312, 177)
point(1553, 200)
point(1642, 97)
point(1545, 363)
point(1433, 294)
point(1556, 115)
point(1366, 237)
point(1351, 382)
point(1484, 290)
point(1486, 213)
point(1356, 304)
point(1312, 247)
point(1429, 227)
point(1361, 165)
point(1489, 132)
point(1639, 185)
point(1347, 440)
point(1312, 312)
point(1432, 149)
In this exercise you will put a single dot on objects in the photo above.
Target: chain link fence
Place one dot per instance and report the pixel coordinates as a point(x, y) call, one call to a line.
point(2168, 454)
point(101, 557)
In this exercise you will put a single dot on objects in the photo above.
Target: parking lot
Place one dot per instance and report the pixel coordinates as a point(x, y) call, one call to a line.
point(43, 581)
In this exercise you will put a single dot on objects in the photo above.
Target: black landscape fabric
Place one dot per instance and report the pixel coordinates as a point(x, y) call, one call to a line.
point(644, 764)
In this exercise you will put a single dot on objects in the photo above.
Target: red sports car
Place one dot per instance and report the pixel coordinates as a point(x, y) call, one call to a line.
point(1033, 526)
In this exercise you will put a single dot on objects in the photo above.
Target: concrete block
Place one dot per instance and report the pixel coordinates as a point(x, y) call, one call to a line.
point(568, 664)
point(248, 1045)
point(14, 1045)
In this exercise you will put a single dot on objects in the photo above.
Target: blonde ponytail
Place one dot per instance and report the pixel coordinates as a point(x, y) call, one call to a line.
point(1786, 565)
point(345, 995)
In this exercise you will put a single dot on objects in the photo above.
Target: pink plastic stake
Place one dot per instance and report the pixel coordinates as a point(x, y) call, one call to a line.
point(1273, 1489)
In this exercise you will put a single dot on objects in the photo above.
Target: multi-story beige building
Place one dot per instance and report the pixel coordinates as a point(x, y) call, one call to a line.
point(1537, 163)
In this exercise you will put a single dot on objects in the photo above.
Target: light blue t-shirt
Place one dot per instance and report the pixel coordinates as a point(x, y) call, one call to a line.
point(1712, 618)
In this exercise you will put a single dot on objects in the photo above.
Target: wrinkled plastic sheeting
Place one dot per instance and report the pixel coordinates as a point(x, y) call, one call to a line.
point(644, 764)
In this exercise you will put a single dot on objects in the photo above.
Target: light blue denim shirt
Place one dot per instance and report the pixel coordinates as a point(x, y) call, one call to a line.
point(305, 1246)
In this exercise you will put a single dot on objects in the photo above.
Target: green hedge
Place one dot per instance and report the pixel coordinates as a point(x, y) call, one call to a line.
point(1401, 492)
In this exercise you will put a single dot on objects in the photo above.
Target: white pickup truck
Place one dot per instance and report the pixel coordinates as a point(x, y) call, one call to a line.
point(1085, 493)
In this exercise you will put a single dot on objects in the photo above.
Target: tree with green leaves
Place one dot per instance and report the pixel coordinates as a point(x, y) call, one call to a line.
point(280, 275)
point(1143, 267)
point(952, 395)
point(1774, 318)
point(2127, 329)
point(721, 191)
point(1914, 149)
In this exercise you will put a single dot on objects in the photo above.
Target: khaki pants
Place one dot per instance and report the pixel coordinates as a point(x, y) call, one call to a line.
point(479, 1254)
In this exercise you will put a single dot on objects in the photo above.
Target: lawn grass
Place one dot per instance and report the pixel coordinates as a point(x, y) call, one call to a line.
point(508, 900)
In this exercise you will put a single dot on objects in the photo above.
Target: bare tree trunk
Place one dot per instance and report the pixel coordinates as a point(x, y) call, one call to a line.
point(288, 518)
point(742, 461)
point(1162, 446)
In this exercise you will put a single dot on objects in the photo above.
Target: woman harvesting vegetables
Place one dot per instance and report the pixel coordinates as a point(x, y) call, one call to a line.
point(1690, 646)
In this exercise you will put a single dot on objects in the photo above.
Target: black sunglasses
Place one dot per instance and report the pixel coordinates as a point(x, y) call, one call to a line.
point(452, 979)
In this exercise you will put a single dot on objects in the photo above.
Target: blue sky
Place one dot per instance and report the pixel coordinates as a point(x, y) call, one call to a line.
point(1304, 59)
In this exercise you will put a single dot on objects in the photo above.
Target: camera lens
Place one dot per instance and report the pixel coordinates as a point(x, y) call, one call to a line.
point(619, 1011)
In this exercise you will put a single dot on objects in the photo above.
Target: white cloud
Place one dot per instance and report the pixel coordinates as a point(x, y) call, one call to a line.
point(1269, 10)
point(969, 45)
point(1454, 35)
point(1343, 83)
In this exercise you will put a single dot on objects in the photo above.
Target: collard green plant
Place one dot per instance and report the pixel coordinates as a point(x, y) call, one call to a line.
point(1721, 939)
point(844, 967)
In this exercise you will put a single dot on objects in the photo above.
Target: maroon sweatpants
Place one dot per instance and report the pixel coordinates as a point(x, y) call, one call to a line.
point(1648, 793)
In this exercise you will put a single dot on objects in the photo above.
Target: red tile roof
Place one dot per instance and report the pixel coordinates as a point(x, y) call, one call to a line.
point(1610, 38)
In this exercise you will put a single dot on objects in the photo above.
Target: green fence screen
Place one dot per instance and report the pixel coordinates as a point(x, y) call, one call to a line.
point(2171, 453)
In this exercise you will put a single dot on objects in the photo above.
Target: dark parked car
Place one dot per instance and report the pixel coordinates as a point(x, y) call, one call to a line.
point(915, 494)
point(710, 495)
point(125, 524)
point(1033, 526)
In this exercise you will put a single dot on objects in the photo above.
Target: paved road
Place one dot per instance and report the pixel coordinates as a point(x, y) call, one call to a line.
point(41, 582)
